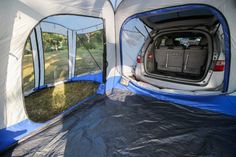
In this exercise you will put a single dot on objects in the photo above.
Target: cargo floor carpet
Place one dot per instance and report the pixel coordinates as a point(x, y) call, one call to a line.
point(124, 124)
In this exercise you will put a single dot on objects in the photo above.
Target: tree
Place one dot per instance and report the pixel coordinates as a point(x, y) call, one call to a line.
point(53, 41)
point(90, 40)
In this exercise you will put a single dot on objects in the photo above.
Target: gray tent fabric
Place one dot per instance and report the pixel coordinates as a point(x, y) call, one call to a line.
point(124, 124)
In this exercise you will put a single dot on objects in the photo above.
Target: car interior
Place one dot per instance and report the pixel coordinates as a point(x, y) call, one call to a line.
point(180, 54)
point(183, 45)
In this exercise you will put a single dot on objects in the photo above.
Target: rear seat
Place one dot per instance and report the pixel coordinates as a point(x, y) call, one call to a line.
point(170, 57)
point(195, 57)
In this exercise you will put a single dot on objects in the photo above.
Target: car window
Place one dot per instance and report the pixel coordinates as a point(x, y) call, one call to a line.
point(182, 39)
point(188, 41)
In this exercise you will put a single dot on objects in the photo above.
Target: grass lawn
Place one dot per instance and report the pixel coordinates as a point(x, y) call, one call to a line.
point(47, 103)
point(84, 62)
point(28, 72)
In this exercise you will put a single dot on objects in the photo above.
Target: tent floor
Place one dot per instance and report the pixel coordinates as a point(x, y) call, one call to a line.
point(124, 124)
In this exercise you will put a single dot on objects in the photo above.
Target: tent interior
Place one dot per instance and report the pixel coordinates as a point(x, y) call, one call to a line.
point(85, 78)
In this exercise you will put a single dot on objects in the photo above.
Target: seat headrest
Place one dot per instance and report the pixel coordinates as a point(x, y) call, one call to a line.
point(203, 42)
point(177, 43)
point(169, 42)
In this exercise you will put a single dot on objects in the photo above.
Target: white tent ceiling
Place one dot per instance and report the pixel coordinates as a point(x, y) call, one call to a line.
point(115, 3)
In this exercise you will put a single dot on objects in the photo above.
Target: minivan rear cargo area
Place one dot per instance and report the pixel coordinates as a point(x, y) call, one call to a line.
point(124, 124)
point(180, 54)
point(182, 50)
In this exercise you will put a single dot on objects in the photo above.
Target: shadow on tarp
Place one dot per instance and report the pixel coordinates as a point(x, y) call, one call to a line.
point(12, 134)
point(125, 124)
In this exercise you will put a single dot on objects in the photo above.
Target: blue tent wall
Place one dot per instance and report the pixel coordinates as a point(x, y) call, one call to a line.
point(224, 104)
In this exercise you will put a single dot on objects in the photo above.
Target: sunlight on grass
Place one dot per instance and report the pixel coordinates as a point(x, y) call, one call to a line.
point(47, 103)
point(28, 72)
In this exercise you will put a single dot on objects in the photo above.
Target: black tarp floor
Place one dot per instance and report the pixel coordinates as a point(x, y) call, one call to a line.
point(124, 124)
